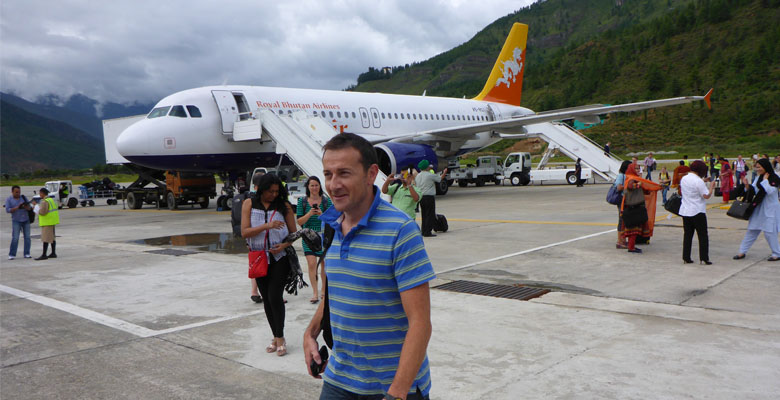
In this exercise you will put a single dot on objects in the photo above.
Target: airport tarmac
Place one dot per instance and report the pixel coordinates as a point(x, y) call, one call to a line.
point(112, 319)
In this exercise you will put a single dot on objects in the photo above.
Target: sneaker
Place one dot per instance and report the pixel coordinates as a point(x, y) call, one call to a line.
point(635, 250)
point(11, 257)
point(27, 256)
point(53, 255)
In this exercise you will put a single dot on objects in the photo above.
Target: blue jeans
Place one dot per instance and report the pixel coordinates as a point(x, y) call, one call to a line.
point(330, 392)
point(663, 193)
point(20, 226)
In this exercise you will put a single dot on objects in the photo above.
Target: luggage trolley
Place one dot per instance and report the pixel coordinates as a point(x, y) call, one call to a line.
point(87, 196)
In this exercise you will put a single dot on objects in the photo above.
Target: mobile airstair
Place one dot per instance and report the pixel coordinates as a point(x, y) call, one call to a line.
point(298, 135)
point(575, 145)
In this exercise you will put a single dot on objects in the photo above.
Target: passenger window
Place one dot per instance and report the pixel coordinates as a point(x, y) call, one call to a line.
point(383, 115)
point(194, 111)
point(437, 117)
point(159, 112)
point(281, 112)
point(375, 115)
point(363, 113)
point(426, 116)
point(353, 115)
point(402, 115)
point(338, 114)
point(315, 113)
point(331, 114)
point(396, 115)
point(414, 115)
point(420, 115)
point(178, 111)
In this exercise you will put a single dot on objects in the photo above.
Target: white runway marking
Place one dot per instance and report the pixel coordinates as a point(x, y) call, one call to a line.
point(526, 251)
point(112, 322)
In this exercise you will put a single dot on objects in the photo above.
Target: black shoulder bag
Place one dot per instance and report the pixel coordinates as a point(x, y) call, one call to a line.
point(30, 212)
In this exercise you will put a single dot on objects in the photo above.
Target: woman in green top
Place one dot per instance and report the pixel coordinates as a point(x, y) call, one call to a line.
point(308, 212)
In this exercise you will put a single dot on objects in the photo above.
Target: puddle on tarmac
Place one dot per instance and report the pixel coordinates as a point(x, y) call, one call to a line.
point(224, 243)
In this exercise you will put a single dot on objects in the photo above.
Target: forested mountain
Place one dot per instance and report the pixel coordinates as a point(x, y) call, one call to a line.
point(616, 51)
point(30, 142)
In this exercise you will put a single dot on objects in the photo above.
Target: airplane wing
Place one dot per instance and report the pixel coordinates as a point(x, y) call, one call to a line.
point(515, 124)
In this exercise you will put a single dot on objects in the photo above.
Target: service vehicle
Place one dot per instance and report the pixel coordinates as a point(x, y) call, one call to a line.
point(487, 169)
point(62, 193)
point(168, 188)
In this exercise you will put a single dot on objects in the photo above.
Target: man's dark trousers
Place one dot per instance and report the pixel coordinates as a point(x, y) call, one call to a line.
point(428, 211)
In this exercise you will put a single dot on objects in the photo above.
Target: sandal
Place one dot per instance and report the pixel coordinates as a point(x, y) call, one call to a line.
point(620, 246)
point(282, 350)
point(314, 300)
point(773, 259)
point(271, 347)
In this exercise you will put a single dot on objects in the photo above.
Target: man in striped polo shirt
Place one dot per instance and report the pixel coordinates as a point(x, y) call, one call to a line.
point(378, 272)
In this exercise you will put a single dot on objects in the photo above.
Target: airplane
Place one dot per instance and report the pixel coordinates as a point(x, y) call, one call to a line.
point(192, 129)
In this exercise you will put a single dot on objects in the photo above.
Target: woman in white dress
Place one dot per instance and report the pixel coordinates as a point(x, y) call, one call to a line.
point(766, 217)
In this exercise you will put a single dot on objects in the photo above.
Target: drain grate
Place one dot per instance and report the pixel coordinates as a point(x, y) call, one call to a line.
point(517, 292)
point(172, 252)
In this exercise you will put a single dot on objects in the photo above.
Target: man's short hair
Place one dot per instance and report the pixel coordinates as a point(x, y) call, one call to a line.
point(44, 191)
point(351, 140)
point(14, 187)
point(682, 162)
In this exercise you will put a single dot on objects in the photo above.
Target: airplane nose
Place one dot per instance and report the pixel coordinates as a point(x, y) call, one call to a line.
point(132, 141)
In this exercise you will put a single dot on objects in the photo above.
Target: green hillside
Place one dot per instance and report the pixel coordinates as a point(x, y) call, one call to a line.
point(29, 142)
point(617, 51)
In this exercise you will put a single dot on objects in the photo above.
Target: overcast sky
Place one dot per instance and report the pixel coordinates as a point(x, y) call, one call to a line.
point(124, 51)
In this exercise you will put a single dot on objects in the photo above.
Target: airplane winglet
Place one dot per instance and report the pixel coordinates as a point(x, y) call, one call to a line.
point(707, 98)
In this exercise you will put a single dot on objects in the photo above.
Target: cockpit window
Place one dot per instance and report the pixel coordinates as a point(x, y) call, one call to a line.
point(159, 112)
point(178, 111)
point(194, 111)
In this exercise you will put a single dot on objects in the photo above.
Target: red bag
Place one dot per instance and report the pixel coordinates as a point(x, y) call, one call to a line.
point(258, 264)
point(258, 259)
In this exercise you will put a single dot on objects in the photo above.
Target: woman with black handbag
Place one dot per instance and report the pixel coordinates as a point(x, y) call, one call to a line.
point(694, 212)
point(766, 215)
point(266, 219)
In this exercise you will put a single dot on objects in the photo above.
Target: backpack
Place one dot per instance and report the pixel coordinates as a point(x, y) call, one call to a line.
point(440, 223)
point(235, 212)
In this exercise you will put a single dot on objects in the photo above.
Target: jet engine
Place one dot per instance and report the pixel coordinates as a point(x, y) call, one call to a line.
point(394, 157)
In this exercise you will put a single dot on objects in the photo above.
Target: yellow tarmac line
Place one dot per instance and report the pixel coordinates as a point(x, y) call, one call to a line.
point(512, 221)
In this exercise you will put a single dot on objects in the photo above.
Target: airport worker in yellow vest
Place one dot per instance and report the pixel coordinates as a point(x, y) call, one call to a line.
point(48, 218)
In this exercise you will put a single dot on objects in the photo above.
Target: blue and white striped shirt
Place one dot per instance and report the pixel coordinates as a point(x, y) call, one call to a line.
point(367, 270)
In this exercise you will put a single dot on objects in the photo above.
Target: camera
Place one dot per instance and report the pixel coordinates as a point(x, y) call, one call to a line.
point(316, 369)
point(315, 206)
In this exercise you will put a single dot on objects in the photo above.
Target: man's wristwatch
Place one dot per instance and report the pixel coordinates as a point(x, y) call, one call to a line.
point(389, 396)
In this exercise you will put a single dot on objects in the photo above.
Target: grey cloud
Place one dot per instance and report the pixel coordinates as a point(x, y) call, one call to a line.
point(123, 51)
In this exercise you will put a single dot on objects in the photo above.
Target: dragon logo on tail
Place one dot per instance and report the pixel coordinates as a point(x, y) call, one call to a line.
point(511, 68)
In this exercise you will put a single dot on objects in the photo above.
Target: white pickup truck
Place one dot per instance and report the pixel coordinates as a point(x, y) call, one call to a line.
point(516, 167)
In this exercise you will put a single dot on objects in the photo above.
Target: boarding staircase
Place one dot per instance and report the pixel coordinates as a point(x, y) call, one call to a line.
point(575, 145)
point(298, 135)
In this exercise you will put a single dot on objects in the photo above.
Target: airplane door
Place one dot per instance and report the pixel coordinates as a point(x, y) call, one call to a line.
point(365, 119)
point(375, 118)
point(494, 112)
point(228, 109)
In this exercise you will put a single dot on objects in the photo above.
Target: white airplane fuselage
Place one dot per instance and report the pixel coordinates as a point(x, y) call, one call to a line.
point(204, 143)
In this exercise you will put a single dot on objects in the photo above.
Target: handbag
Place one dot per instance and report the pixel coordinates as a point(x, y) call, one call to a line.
point(634, 216)
point(614, 196)
point(258, 259)
point(673, 204)
point(740, 210)
point(30, 212)
point(258, 264)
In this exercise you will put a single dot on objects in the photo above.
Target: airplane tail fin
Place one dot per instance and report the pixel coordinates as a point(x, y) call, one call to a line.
point(505, 84)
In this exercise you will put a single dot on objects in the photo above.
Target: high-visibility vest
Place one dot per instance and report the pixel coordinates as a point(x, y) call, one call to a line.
point(52, 217)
